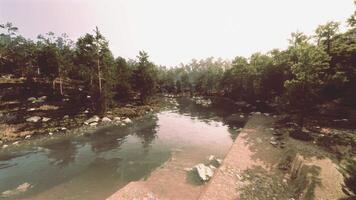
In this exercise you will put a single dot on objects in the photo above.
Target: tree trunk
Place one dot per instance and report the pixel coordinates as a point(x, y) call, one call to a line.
point(61, 85)
point(99, 76)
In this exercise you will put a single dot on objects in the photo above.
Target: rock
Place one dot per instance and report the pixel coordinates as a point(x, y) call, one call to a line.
point(273, 142)
point(88, 97)
point(106, 119)
point(50, 133)
point(16, 143)
point(117, 119)
point(211, 158)
point(31, 99)
point(65, 116)
point(43, 98)
point(92, 119)
point(5, 146)
point(212, 167)
point(38, 101)
point(127, 120)
point(63, 128)
point(242, 116)
point(46, 119)
point(93, 124)
point(27, 136)
point(33, 119)
point(188, 169)
point(31, 109)
point(266, 114)
point(86, 111)
point(204, 172)
point(257, 113)
point(20, 189)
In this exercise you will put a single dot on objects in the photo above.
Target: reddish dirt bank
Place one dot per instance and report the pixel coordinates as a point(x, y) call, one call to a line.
point(256, 169)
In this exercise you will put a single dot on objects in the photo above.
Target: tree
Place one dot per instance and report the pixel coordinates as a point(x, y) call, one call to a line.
point(144, 77)
point(309, 66)
point(122, 76)
point(96, 65)
point(325, 34)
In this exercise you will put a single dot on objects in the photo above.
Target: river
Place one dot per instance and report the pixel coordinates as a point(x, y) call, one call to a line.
point(95, 165)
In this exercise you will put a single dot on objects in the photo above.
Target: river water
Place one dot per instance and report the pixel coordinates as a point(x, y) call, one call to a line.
point(93, 166)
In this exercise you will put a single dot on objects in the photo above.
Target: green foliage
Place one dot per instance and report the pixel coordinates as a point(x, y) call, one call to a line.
point(144, 77)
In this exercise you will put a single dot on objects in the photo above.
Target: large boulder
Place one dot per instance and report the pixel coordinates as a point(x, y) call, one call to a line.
point(204, 172)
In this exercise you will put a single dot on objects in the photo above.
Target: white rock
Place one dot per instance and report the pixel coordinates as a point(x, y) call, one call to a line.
point(93, 124)
point(46, 119)
point(242, 116)
point(127, 120)
point(31, 99)
point(42, 98)
point(16, 143)
point(31, 109)
point(5, 146)
point(27, 136)
point(117, 119)
point(63, 128)
point(187, 169)
point(266, 114)
point(211, 158)
point(86, 111)
point(106, 119)
point(33, 119)
point(65, 116)
point(92, 119)
point(50, 133)
point(257, 113)
point(204, 172)
point(20, 189)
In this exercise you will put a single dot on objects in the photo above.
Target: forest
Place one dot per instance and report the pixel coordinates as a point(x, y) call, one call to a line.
point(312, 70)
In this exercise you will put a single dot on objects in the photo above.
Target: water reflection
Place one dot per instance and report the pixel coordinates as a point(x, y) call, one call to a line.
point(147, 131)
point(61, 153)
point(107, 139)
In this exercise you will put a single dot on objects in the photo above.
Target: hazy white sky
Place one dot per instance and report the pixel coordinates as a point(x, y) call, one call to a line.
point(174, 31)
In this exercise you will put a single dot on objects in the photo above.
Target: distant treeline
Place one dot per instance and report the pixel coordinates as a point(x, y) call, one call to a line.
point(313, 69)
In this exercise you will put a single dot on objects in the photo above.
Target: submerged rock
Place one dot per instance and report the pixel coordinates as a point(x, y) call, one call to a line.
point(33, 119)
point(20, 189)
point(204, 172)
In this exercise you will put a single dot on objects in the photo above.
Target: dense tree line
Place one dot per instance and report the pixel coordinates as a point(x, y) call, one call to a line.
point(311, 70)
point(87, 62)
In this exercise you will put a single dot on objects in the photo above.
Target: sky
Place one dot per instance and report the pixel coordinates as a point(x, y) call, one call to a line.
point(175, 31)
